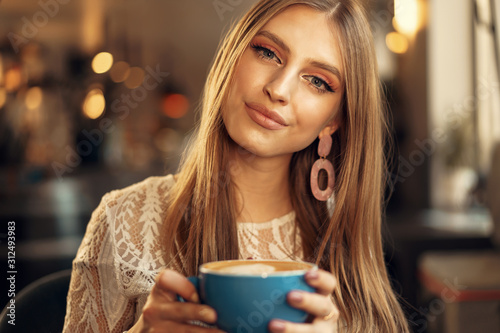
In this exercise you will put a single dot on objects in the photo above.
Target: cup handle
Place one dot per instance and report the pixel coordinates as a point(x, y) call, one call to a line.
point(195, 281)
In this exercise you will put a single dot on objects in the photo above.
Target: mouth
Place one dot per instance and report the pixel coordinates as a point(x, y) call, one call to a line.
point(264, 117)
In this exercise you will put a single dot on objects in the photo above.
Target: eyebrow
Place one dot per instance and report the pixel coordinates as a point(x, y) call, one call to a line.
point(315, 63)
point(334, 70)
point(275, 39)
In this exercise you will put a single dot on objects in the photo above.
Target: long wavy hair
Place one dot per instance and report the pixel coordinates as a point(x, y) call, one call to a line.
point(200, 222)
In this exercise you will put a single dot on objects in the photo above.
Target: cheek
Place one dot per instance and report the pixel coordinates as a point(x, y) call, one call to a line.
point(316, 115)
point(237, 87)
point(249, 73)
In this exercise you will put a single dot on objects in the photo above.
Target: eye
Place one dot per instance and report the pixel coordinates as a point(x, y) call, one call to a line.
point(319, 84)
point(265, 53)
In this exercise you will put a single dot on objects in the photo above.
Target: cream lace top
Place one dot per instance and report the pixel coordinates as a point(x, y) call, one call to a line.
point(120, 255)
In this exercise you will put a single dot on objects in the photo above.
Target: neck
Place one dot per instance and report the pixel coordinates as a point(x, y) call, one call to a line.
point(262, 186)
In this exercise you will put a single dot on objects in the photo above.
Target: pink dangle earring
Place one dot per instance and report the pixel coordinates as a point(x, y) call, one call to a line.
point(324, 147)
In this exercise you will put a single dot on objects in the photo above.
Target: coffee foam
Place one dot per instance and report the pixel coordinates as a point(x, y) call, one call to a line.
point(252, 269)
point(255, 267)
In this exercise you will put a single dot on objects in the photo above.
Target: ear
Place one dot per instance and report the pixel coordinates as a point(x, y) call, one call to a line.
point(330, 128)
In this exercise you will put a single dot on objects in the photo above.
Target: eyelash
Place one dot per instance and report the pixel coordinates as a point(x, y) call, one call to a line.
point(327, 87)
point(260, 50)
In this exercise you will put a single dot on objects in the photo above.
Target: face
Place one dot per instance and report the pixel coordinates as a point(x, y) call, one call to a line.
point(287, 86)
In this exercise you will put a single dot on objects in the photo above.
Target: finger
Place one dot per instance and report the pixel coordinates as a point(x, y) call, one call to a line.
point(160, 295)
point(184, 328)
point(169, 282)
point(281, 326)
point(324, 282)
point(312, 303)
point(184, 312)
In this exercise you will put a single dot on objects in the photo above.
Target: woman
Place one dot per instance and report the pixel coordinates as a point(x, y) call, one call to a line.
point(292, 80)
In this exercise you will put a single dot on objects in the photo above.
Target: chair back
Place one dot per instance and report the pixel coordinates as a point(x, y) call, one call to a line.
point(39, 307)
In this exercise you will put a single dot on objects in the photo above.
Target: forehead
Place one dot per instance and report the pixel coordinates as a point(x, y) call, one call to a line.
point(308, 33)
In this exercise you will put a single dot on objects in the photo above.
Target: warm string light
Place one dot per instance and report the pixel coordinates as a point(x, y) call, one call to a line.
point(3, 97)
point(33, 98)
point(119, 72)
point(102, 62)
point(407, 21)
point(406, 16)
point(13, 79)
point(1, 70)
point(175, 105)
point(94, 104)
point(396, 42)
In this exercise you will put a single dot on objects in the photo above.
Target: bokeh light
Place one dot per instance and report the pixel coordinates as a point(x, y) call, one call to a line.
point(406, 16)
point(3, 97)
point(94, 104)
point(175, 105)
point(102, 62)
point(32, 119)
point(135, 78)
point(33, 97)
point(396, 42)
point(119, 72)
point(13, 79)
point(1, 70)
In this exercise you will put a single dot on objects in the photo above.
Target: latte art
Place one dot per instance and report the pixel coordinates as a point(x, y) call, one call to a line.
point(256, 269)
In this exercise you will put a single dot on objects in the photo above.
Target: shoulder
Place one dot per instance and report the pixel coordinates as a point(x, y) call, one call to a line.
point(134, 217)
point(139, 205)
point(152, 187)
point(121, 249)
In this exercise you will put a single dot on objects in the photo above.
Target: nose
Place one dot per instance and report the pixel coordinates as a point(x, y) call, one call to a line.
point(279, 87)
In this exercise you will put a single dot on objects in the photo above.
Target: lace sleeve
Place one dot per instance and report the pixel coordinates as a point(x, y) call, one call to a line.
point(95, 303)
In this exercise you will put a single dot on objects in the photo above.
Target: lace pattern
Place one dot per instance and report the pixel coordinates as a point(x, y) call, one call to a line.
point(270, 240)
point(120, 255)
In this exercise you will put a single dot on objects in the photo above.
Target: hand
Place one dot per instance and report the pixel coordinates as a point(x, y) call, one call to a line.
point(319, 305)
point(163, 313)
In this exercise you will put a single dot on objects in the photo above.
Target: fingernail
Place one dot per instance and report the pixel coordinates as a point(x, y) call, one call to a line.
point(295, 296)
point(277, 326)
point(312, 275)
point(208, 315)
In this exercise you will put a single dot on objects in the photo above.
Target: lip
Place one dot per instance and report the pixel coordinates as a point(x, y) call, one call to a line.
point(264, 117)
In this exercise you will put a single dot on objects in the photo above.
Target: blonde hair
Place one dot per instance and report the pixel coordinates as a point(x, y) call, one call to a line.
point(200, 222)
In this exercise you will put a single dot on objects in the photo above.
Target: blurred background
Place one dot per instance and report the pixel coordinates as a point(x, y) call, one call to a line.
point(97, 95)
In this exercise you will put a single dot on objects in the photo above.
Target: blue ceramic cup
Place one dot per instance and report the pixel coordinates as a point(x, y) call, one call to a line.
point(247, 294)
